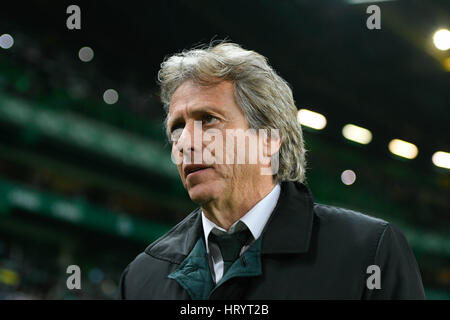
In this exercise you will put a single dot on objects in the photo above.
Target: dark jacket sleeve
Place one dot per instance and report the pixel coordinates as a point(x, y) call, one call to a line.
point(400, 274)
point(120, 294)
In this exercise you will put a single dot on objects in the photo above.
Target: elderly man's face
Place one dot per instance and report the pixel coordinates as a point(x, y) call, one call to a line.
point(209, 108)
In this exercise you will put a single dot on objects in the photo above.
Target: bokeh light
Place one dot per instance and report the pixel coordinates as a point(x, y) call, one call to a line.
point(441, 159)
point(311, 119)
point(86, 54)
point(357, 134)
point(110, 96)
point(348, 177)
point(6, 41)
point(441, 39)
point(403, 149)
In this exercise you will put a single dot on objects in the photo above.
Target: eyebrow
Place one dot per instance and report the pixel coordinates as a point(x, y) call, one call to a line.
point(172, 121)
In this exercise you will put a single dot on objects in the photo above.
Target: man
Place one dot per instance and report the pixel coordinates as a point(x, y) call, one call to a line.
point(257, 233)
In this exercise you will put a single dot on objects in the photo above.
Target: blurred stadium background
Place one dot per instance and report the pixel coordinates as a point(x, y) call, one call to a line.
point(85, 172)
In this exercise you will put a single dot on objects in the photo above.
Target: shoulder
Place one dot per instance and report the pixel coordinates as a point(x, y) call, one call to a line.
point(349, 228)
point(171, 247)
point(146, 275)
point(348, 219)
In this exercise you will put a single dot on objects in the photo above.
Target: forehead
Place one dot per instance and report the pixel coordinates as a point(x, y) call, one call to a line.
point(190, 96)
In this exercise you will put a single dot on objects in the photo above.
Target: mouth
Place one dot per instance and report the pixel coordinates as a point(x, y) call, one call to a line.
point(192, 169)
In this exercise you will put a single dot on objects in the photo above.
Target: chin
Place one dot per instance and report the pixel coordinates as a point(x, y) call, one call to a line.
point(203, 193)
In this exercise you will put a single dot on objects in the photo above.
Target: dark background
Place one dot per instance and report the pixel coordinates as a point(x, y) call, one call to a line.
point(87, 183)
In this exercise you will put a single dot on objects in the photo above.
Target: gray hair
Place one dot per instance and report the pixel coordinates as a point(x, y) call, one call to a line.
point(264, 97)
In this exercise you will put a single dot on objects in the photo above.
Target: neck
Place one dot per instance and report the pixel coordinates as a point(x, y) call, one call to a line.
point(224, 212)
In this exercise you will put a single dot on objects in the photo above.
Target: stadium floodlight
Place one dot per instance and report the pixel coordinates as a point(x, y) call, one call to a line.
point(441, 39)
point(311, 119)
point(357, 134)
point(403, 149)
point(441, 159)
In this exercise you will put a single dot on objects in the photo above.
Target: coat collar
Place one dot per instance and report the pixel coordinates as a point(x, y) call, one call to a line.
point(287, 231)
point(290, 225)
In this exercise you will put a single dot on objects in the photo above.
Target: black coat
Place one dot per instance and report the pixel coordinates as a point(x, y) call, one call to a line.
point(307, 251)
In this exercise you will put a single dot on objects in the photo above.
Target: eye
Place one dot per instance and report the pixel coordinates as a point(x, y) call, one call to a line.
point(175, 131)
point(209, 119)
point(177, 125)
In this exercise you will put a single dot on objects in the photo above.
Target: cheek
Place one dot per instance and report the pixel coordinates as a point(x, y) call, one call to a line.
point(243, 173)
point(225, 171)
point(176, 155)
point(233, 175)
